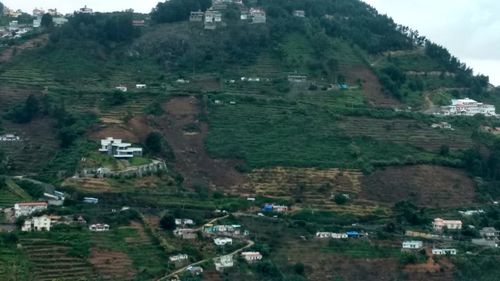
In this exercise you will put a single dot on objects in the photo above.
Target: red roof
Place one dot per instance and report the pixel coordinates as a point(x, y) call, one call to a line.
point(33, 204)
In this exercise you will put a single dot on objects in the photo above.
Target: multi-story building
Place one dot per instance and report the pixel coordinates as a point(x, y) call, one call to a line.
point(26, 209)
point(119, 149)
point(467, 107)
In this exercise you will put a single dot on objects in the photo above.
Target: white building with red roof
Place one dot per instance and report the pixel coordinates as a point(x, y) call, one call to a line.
point(28, 208)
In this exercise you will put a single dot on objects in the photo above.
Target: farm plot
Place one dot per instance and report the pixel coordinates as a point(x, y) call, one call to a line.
point(13, 264)
point(311, 188)
point(408, 132)
point(428, 186)
point(52, 261)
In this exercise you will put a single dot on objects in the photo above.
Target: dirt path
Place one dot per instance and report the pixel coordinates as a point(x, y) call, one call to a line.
point(186, 135)
point(10, 52)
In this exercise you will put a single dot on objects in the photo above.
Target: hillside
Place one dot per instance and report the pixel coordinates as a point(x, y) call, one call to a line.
point(325, 112)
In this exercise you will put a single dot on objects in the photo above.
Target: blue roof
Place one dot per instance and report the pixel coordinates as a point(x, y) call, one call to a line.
point(352, 233)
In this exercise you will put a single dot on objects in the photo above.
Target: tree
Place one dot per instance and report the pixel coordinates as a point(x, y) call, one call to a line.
point(154, 142)
point(25, 113)
point(47, 21)
point(167, 222)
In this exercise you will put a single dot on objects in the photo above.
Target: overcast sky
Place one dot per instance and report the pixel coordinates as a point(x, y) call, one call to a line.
point(470, 29)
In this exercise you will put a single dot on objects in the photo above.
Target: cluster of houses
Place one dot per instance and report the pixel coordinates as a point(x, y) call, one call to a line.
point(343, 235)
point(415, 245)
point(489, 237)
point(467, 107)
point(119, 149)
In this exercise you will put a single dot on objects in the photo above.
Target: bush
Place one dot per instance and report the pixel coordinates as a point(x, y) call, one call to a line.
point(167, 222)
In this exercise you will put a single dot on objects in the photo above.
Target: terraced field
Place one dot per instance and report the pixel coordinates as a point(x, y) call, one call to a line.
point(13, 264)
point(309, 188)
point(130, 245)
point(52, 261)
point(410, 132)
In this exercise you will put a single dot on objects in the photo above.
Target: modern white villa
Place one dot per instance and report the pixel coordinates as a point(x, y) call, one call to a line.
point(119, 149)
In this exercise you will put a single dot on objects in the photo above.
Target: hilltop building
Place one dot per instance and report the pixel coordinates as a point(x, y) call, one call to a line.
point(442, 252)
point(29, 208)
point(119, 149)
point(99, 227)
point(467, 107)
point(85, 10)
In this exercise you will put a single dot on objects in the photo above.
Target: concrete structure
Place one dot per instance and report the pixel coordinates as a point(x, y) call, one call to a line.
point(41, 223)
point(141, 86)
point(471, 212)
point(297, 78)
point(99, 227)
point(195, 270)
point(299, 13)
point(121, 89)
point(184, 222)
point(251, 256)
point(59, 21)
point(467, 107)
point(212, 18)
point(185, 233)
point(275, 208)
point(38, 12)
point(442, 252)
point(257, 15)
point(489, 233)
point(442, 125)
point(332, 235)
point(485, 243)
point(13, 26)
point(440, 224)
point(412, 245)
point(133, 171)
point(196, 16)
point(119, 149)
point(26, 209)
point(90, 200)
point(9, 137)
point(223, 241)
point(178, 258)
point(223, 262)
point(37, 22)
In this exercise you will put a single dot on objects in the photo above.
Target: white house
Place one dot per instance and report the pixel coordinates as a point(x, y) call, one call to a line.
point(257, 15)
point(467, 107)
point(13, 26)
point(38, 12)
point(223, 262)
point(184, 222)
point(37, 22)
point(440, 224)
point(185, 233)
point(412, 245)
point(333, 235)
point(251, 256)
point(489, 233)
point(119, 149)
point(322, 235)
point(99, 227)
point(90, 200)
point(442, 252)
point(223, 241)
point(41, 223)
point(141, 86)
point(26, 209)
point(178, 258)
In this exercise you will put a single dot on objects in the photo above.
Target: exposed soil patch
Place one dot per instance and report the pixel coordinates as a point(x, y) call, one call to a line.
point(372, 88)
point(427, 186)
point(431, 270)
point(192, 161)
point(9, 53)
point(322, 266)
point(135, 130)
point(112, 265)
